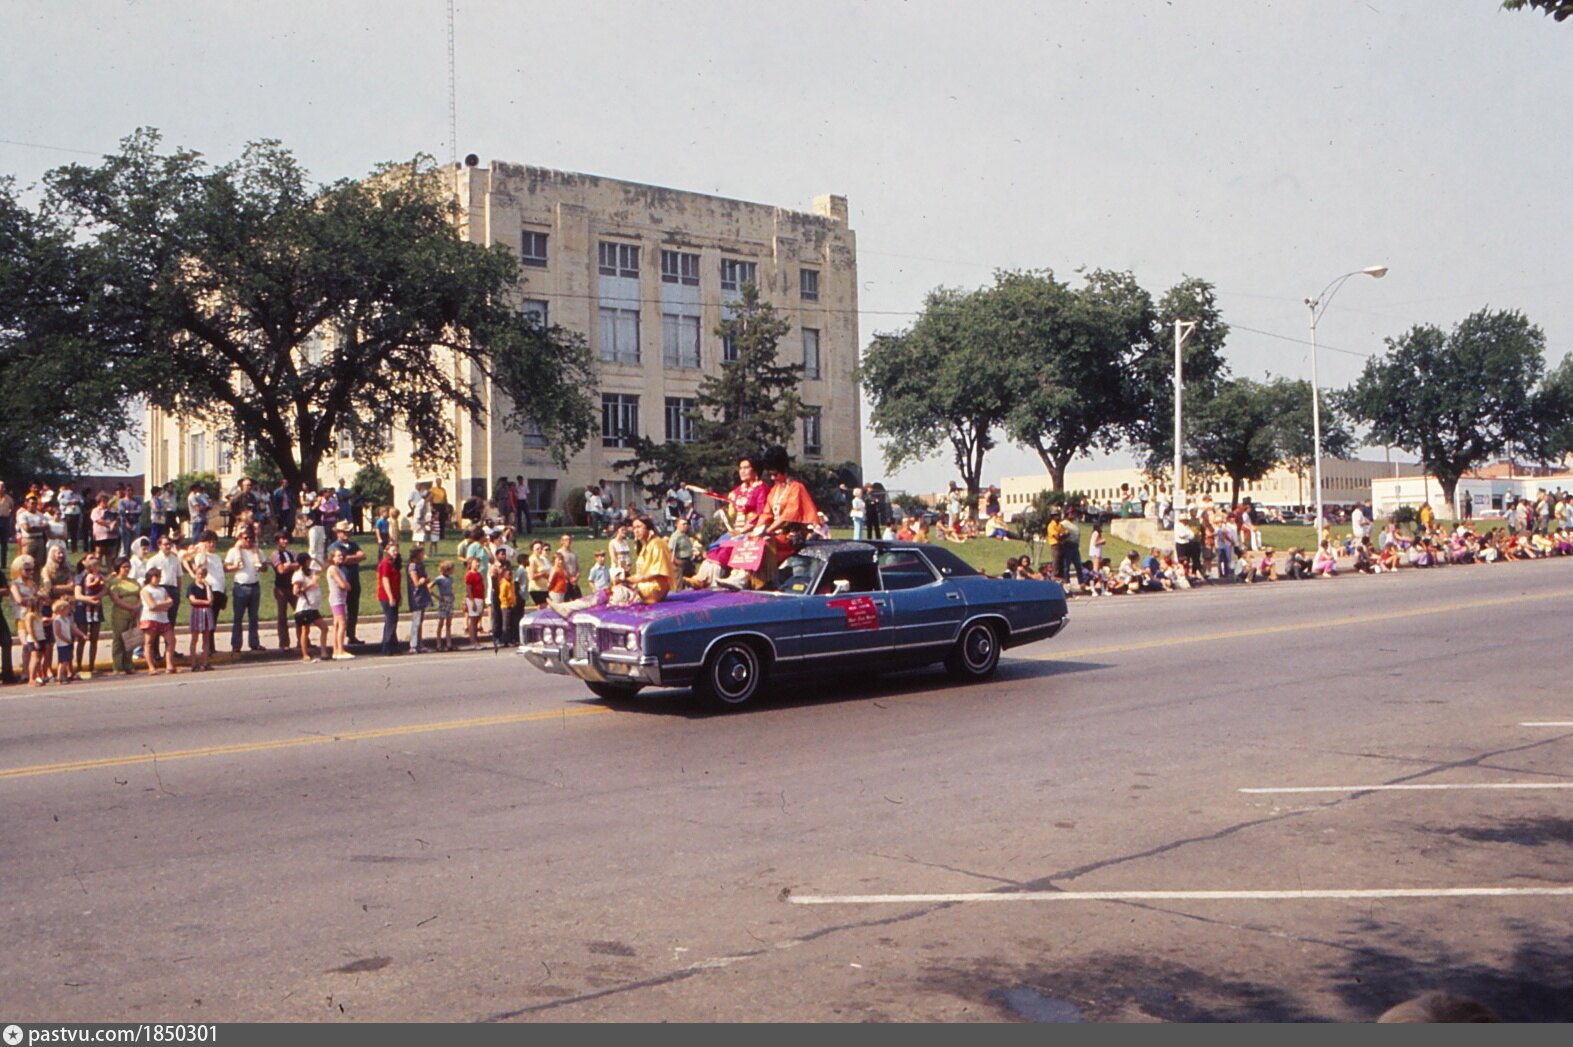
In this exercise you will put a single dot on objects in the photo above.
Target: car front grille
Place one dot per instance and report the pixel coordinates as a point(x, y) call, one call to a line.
point(583, 638)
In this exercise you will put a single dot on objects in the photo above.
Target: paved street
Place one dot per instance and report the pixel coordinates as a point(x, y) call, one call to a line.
point(457, 837)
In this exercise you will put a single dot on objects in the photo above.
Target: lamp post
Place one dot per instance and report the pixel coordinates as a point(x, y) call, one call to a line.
point(1182, 331)
point(1318, 306)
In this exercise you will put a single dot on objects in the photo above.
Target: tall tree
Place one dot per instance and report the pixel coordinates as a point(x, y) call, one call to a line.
point(1455, 398)
point(286, 314)
point(1235, 432)
point(64, 400)
point(1151, 388)
point(941, 381)
point(1295, 436)
point(748, 404)
point(1551, 438)
point(1072, 351)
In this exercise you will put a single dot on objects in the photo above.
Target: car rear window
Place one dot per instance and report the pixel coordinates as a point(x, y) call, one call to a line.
point(948, 563)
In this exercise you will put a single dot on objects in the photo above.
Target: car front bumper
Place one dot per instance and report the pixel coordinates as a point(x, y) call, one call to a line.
point(595, 666)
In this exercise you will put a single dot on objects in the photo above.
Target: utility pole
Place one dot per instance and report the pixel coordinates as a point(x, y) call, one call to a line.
point(1182, 331)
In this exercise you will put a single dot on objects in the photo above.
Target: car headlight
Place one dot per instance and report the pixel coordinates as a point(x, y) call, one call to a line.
point(631, 642)
point(560, 635)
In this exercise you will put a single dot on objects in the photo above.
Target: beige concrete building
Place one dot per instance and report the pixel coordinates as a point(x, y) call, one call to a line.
point(644, 273)
point(1344, 482)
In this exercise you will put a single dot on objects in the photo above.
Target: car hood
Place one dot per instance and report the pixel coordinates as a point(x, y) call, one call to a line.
point(689, 607)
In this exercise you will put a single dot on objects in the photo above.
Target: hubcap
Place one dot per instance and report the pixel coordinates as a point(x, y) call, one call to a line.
point(735, 672)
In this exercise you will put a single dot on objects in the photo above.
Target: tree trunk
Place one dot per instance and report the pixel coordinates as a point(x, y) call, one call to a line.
point(1234, 490)
point(1055, 468)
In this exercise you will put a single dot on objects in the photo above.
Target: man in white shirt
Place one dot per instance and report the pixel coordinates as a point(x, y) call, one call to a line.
point(171, 573)
point(71, 511)
point(246, 563)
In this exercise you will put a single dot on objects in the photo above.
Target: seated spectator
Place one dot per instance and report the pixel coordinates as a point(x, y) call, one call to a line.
point(1299, 566)
point(1325, 563)
point(1365, 557)
point(1128, 577)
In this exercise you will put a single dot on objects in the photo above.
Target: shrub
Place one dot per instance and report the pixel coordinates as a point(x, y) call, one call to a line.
point(555, 518)
point(371, 487)
point(573, 506)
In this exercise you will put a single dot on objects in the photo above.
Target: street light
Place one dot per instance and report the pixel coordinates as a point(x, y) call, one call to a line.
point(1318, 306)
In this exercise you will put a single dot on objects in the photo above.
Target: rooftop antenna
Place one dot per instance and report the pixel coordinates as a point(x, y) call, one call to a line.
point(453, 104)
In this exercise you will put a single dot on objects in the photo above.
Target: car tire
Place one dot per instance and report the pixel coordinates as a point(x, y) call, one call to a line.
point(977, 652)
point(732, 676)
point(613, 692)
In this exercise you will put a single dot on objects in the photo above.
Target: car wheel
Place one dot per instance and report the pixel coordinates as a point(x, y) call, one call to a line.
point(732, 676)
point(613, 692)
point(977, 652)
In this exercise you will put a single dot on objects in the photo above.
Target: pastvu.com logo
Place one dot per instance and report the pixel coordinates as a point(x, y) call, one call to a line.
point(13, 1035)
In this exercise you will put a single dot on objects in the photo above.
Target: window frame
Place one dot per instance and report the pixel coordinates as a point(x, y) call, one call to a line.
point(813, 367)
point(686, 270)
point(624, 410)
point(625, 258)
point(805, 278)
point(533, 261)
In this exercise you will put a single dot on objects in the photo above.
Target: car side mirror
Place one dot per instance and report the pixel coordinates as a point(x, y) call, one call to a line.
point(839, 586)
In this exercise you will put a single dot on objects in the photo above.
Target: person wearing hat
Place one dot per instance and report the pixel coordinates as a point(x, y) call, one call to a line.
point(354, 556)
point(790, 512)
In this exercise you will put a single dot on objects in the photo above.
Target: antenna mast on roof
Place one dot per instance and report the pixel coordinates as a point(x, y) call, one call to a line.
point(453, 105)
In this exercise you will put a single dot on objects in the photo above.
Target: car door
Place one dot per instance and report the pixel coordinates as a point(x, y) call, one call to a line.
point(928, 611)
point(847, 618)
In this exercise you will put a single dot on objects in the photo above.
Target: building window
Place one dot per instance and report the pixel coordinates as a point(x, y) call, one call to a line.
point(619, 419)
point(619, 259)
point(734, 274)
point(345, 444)
point(197, 452)
point(728, 349)
point(679, 340)
point(810, 353)
point(619, 335)
point(679, 268)
point(808, 284)
point(226, 455)
point(532, 249)
point(535, 307)
point(680, 419)
point(813, 433)
point(534, 435)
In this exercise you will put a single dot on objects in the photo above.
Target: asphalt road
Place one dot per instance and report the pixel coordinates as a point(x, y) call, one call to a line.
point(457, 837)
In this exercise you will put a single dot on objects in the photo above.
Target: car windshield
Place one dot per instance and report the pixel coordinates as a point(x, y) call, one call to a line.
point(796, 574)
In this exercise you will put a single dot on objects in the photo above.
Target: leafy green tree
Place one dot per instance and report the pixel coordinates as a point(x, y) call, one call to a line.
point(1150, 428)
point(1235, 432)
point(1455, 398)
point(264, 473)
point(1294, 432)
point(1553, 413)
point(746, 405)
point(286, 314)
point(1071, 351)
point(65, 400)
point(941, 381)
point(1561, 10)
point(372, 487)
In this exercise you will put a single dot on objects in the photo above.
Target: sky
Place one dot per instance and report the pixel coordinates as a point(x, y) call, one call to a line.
point(1266, 147)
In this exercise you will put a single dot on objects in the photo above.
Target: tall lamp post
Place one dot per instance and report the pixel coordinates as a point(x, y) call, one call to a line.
point(1318, 306)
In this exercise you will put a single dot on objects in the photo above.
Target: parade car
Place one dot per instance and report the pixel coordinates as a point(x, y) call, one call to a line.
point(834, 607)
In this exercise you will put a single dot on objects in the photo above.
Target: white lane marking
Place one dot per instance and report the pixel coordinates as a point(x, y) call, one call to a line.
point(1179, 896)
point(1547, 723)
point(1406, 788)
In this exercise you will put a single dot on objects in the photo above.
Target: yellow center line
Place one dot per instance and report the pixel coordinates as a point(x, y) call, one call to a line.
point(290, 743)
point(1269, 630)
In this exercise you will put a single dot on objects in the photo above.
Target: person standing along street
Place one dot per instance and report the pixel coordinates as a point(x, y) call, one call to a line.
point(283, 509)
point(71, 512)
point(245, 562)
point(7, 519)
point(158, 505)
point(130, 520)
point(338, 593)
point(308, 607)
point(203, 623)
point(354, 556)
point(860, 515)
point(389, 582)
point(283, 564)
point(198, 506)
point(155, 624)
point(91, 586)
point(124, 607)
point(105, 523)
point(32, 529)
point(420, 597)
point(206, 550)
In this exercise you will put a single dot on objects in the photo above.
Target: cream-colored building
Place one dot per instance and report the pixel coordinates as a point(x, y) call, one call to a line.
point(644, 273)
point(1344, 482)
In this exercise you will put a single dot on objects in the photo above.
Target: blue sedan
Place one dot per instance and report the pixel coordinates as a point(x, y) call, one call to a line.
point(835, 606)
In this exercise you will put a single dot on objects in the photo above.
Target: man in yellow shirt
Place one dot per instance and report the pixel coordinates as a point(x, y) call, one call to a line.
point(439, 505)
point(1055, 536)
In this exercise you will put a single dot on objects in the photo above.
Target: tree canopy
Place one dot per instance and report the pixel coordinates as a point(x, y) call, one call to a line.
point(1456, 398)
point(1150, 427)
point(1561, 10)
point(288, 315)
point(941, 381)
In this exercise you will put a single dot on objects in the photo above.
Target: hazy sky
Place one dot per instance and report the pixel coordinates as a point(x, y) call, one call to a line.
point(1267, 147)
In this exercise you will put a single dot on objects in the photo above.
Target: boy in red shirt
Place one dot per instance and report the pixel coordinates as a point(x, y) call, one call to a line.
point(474, 597)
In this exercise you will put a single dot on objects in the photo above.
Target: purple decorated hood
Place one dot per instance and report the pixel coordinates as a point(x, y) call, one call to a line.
point(688, 605)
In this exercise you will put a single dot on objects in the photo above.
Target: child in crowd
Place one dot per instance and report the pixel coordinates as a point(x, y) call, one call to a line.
point(90, 588)
point(199, 594)
point(557, 586)
point(308, 608)
point(338, 603)
point(34, 638)
point(63, 625)
point(442, 588)
point(600, 574)
point(475, 597)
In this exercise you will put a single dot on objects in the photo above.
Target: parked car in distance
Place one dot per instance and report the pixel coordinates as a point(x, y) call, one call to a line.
point(836, 606)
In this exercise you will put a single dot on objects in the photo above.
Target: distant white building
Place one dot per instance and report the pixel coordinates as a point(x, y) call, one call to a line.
point(1344, 483)
point(1486, 494)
